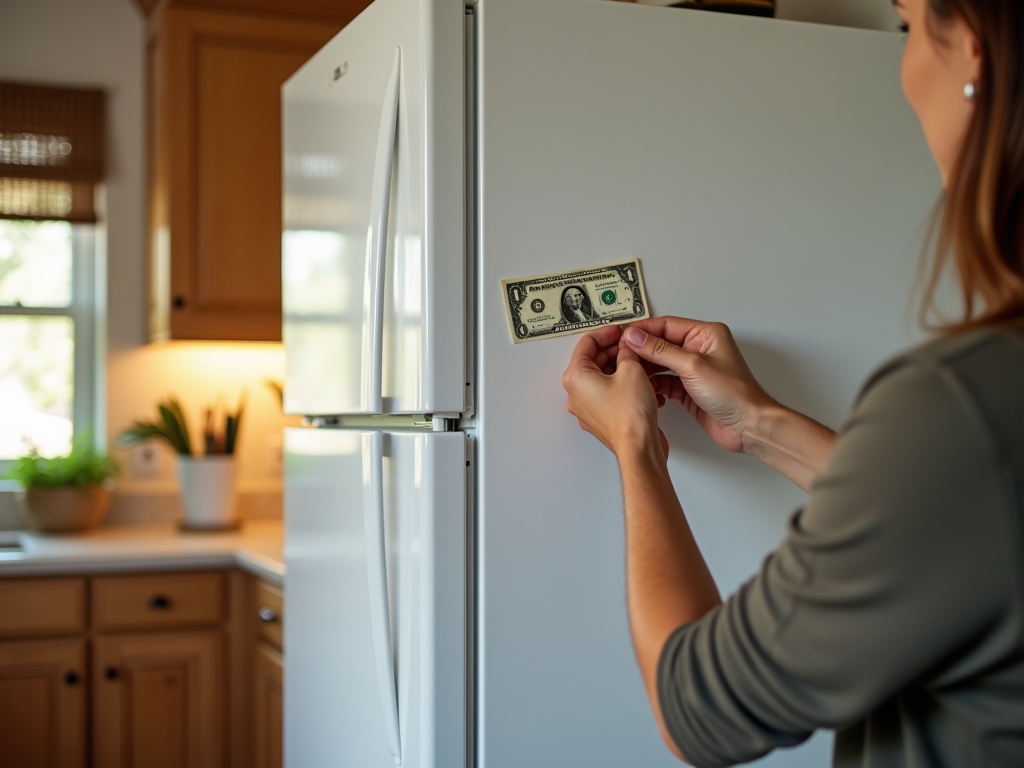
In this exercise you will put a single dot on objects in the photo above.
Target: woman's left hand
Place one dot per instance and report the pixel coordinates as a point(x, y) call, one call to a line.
point(610, 394)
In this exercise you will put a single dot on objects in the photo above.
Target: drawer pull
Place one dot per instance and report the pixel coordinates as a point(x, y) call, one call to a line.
point(71, 677)
point(159, 602)
point(110, 673)
point(267, 614)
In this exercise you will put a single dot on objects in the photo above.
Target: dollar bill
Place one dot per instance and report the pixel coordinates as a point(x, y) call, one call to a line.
point(562, 303)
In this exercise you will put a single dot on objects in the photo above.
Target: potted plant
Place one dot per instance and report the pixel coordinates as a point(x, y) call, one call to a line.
point(64, 493)
point(207, 481)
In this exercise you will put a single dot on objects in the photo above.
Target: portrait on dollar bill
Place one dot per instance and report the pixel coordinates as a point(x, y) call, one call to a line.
point(576, 306)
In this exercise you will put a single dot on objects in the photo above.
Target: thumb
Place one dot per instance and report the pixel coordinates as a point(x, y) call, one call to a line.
point(626, 354)
point(654, 349)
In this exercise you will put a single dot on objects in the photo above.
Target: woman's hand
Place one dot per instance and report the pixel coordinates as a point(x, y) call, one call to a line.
point(711, 381)
point(714, 384)
point(610, 394)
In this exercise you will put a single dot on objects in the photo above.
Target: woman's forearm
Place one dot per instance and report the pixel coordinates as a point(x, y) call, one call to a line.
point(794, 445)
point(667, 581)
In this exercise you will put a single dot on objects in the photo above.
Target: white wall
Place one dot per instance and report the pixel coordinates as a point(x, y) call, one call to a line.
point(100, 43)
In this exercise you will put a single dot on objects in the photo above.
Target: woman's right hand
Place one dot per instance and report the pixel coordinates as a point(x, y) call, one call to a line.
point(714, 383)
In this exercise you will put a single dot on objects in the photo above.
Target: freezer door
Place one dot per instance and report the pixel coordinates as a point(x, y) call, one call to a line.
point(374, 550)
point(372, 246)
point(767, 174)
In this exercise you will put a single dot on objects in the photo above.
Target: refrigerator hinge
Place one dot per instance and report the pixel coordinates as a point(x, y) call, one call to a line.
point(444, 423)
point(426, 422)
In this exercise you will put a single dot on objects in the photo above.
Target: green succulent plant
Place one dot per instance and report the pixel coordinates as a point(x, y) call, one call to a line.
point(85, 465)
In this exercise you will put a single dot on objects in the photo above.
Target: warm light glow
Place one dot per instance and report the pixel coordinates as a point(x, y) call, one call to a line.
point(199, 374)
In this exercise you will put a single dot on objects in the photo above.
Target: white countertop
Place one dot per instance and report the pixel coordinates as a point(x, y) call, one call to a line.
point(256, 548)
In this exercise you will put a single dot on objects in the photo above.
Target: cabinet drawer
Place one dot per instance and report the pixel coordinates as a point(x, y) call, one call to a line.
point(41, 606)
point(159, 600)
point(269, 613)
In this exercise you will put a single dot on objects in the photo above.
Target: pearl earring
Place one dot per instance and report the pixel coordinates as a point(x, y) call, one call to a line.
point(970, 90)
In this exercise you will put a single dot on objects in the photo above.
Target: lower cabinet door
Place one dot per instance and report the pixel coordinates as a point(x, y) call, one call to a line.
point(42, 704)
point(157, 700)
point(268, 744)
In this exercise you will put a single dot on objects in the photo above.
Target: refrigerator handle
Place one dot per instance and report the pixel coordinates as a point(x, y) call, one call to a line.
point(377, 247)
point(377, 577)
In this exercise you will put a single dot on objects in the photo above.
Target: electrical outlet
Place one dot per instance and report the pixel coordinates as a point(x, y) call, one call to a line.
point(145, 460)
point(275, 455)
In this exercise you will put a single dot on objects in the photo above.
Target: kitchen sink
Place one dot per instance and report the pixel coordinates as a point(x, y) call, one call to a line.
point(11, 544)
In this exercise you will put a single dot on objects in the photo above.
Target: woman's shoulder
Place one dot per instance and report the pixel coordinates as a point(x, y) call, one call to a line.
point(978, 372)
point(978, 356)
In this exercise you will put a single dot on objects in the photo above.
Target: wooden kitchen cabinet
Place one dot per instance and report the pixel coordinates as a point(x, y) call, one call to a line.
point(151, 670)
point(268, 705)
point(214, 161)
point(41, 607)
point(157, 699)
point(267, 611)
point(43, 703)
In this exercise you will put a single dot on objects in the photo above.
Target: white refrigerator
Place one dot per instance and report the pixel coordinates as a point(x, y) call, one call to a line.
point(454, 542)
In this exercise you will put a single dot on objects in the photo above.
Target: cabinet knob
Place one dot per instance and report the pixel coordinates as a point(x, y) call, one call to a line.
point(159, 602)
point(71, 677)
point(110, 673)
point(178, 302)
point(267, 614)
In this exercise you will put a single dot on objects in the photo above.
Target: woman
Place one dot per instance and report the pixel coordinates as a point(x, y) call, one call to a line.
point(893, 612)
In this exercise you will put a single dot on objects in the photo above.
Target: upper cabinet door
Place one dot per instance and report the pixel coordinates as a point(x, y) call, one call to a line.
point(215, 175)
point(373, 262)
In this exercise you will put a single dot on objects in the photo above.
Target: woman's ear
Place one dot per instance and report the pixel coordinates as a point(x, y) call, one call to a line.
point(971, 52)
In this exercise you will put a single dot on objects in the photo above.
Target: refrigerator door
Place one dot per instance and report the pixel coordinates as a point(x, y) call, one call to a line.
point(374, 546)
point(768, 175)
point(373, 193)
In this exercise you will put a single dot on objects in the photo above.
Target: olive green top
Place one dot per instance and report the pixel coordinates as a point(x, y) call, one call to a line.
point(892, 612)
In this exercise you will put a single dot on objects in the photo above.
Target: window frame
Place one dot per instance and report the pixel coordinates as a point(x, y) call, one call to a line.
point(83, 311)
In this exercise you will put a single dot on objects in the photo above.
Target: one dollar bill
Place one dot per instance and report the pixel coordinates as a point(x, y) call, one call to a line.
point(562, 303)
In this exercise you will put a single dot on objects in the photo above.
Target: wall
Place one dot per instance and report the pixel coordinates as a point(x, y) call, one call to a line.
point(100, 43)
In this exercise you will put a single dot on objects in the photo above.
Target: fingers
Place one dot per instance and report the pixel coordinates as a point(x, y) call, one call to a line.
point(652, 369)
point(655, 349)
point(626, 354)
point(606, 336)
point(691, 335)
point(586, 349)
point(668, 387)
point(673, 329)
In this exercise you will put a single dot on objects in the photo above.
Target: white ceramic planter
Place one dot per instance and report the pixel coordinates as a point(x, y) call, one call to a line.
point(207, 492)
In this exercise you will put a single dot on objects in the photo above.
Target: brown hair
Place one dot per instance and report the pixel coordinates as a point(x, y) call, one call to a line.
point(980, 221)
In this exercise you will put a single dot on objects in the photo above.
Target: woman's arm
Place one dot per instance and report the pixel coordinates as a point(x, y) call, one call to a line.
point(794, 445)
point(668, 584)
point(612, 396)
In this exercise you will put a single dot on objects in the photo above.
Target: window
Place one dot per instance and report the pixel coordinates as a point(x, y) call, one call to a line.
point(51, 158)
point(47, 347)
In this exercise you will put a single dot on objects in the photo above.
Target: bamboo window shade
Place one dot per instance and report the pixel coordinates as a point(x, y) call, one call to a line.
point(51, 151)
